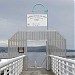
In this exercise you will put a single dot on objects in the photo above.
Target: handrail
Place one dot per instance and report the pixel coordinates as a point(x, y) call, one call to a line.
point(64, 59)
point(12, 66)
point(2, 64)
point(62, 66)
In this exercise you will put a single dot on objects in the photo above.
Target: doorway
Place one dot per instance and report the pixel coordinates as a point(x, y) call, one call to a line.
point(36, 52)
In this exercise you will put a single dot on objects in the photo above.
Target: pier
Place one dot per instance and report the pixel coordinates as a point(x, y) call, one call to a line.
point(37, 29)
point(56, 61)
point(58, 66)
point(39, 71)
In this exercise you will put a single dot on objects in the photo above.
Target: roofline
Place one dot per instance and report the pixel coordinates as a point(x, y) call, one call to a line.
point(35, 30)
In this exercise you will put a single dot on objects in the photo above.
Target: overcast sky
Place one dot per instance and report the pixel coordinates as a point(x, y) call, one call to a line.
point(60, 17)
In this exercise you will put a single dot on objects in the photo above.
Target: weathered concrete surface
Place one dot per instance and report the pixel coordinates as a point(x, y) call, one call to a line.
point(37, 72)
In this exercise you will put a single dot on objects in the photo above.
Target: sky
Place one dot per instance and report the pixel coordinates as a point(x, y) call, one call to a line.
point(60, 17)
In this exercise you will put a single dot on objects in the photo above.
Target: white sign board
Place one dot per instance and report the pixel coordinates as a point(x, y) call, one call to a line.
point(36, 19)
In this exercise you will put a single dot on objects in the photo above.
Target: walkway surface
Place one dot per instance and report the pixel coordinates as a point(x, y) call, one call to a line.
point(37, 72)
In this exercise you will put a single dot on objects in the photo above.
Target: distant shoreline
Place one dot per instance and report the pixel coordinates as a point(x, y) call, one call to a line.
point(70, 56)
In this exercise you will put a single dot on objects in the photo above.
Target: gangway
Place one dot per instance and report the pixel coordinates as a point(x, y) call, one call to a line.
point(58, 66)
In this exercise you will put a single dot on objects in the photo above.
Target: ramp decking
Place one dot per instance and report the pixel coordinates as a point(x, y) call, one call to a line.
point(32, 71)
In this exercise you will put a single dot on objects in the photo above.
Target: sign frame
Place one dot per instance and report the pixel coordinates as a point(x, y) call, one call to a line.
point(37, 20)
point(21, 49)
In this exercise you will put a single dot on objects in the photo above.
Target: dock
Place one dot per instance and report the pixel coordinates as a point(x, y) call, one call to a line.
point(58, 66)
point(39, 71)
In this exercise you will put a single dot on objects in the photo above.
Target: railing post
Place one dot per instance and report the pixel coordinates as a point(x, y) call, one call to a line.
point(13, 68)
point(5, 72)
point(67, 73)
point(17, 67)
point(63, 66)
point(49, 67)
point(25, 63)
point(60, 67)
point(21, 65)
point(53, 64)
point(10, 69)
point(73, 70)
point(57, 68)
point(49, 63)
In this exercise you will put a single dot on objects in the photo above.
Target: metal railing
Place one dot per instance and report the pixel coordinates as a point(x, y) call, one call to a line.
point(12, 66)
point(62, 66)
